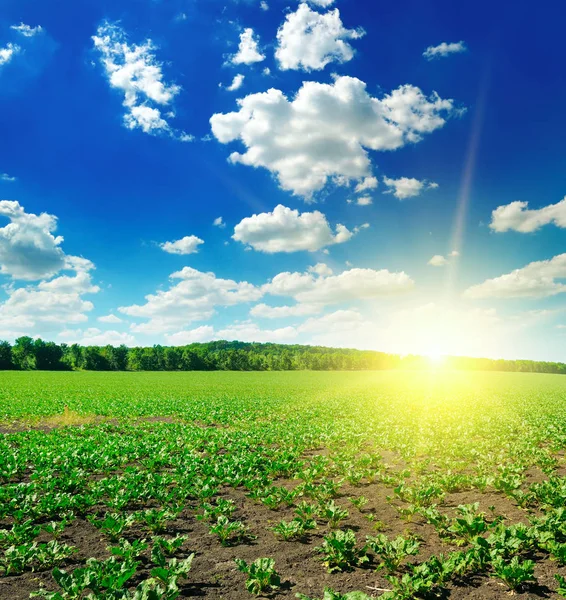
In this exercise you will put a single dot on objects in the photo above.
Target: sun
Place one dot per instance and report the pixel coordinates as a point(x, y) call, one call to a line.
point(436, 357)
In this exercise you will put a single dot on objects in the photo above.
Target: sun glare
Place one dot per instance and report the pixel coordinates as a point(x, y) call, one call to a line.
point(436, 359)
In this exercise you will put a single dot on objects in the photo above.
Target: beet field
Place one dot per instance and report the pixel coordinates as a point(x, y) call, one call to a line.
point(342, 486)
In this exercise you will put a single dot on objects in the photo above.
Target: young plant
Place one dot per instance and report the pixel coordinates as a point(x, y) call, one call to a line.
point(230, 532)
point(333, 513)
point(393, 552)
point(359, 502)
point(339, 551)
point(514, 573)
point(261, 575)
point(469, 524)
point(127, 550)
point(113, 524)
point(169, 547)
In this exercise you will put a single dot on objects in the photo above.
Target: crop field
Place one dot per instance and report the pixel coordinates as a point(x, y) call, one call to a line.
point(392, 485)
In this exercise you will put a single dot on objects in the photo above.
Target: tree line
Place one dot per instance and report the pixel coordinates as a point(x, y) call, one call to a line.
point(28, 354)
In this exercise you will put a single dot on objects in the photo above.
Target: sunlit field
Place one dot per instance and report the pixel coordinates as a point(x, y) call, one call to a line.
point(395, 484)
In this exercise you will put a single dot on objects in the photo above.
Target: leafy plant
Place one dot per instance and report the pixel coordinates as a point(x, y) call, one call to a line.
point(393, 552)
point(339, 551)
point(230, 532)
point(261, 575)
point(514, 573)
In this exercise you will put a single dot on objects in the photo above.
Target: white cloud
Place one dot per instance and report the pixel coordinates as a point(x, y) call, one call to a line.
point(438, 261)
point(80, 283)
point(111, 319)
point(248, 49)
point(7, 53)
point(187, 245)
point(364, 201)
point(7, 178)
point(27, 30)
point(135, 71)
point(263, 311)
point(29, 251)
point(406, 187)
point(516, 216)
point(326, 130)
point(49, 305)
point(28, 248)
point(250, 332)
point(444, 49)
point(263, 5)
point(286, 230)
point(369, 183)
point(96, 337)
point(204, 333)
point(308, 40)
point(243, 332)
point(341, 320)
point(194, 298)
point(323, 3)
point(237, 83)
point(219, 222)
point(536, 280)
point(355, 284)
point(321, 269)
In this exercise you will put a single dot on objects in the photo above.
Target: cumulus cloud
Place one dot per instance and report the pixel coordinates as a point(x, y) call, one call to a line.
point(364, 201)
point(321, 269)
point(248, 49)
point(237, 83)
point(354, 284)
point(517, 216)
point(7, 53)
point(264, 311)
point(406, 187)
point(110, 319)
point(7, 178)
point(27, 30)
point(287, 230)
point(263, 5)
point(369, 183)
point(29, 250)
point(536, 280)
point(48, 305)
point(187, 245)
point(250, 332)
point(444, 49)
point(204, 333)
point(96, 337)
point(243, 332)
point(135, 71)
point(309, 41)
point(326, 130)
point(438, 261)
point(323, 3)
point(219, 222)
point(194, 298)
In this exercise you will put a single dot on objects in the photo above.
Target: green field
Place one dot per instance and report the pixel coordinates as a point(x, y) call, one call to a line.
point(397, 484)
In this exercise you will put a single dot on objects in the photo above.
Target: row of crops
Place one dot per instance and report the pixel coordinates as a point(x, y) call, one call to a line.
point(309, 485)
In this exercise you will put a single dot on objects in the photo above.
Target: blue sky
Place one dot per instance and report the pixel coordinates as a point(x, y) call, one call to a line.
point(371, 164)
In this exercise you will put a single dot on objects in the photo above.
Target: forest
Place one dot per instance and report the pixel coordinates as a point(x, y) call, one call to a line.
point(28, 354)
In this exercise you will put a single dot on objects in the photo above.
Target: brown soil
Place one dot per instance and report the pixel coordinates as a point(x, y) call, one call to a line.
point(214, 574)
